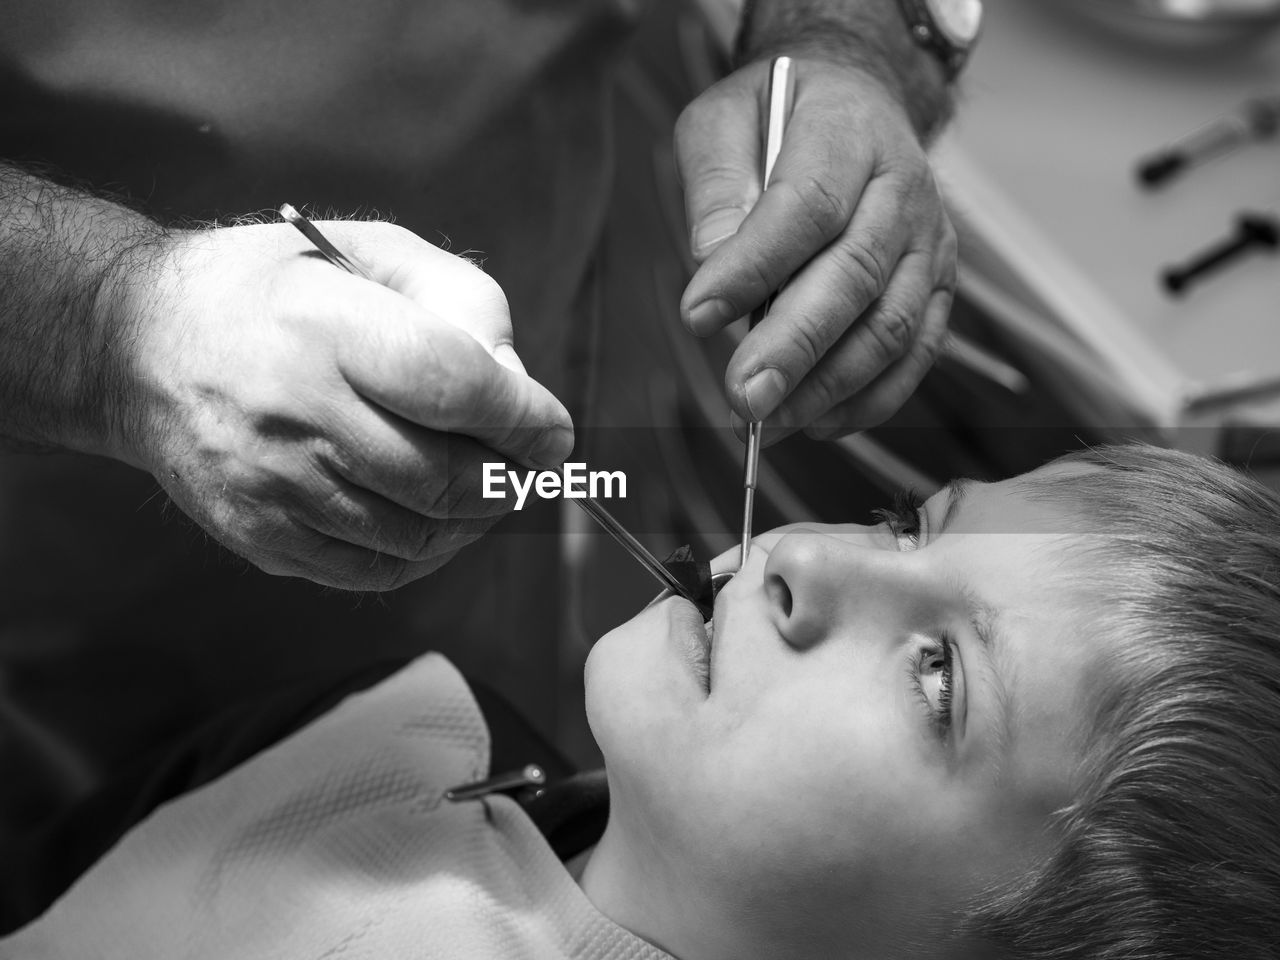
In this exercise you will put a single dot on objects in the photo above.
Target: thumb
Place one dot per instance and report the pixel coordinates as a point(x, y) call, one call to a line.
point(432, 372)
point(717, 144)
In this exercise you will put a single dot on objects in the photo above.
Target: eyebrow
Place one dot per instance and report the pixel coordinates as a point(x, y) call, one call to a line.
point(984, 620)
point(956, 490)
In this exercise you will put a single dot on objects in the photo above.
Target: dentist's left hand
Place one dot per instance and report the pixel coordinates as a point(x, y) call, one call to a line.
point(852, 223)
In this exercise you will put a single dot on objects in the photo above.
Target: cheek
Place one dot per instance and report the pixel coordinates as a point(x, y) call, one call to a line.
point(814, 780)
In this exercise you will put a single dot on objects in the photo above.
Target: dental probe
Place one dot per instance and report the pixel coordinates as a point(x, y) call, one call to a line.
point(589, 504)
point(321, 242)
point(782, 88)
point(634, 547)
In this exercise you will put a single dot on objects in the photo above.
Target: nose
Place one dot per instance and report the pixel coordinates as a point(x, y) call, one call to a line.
point(814, 583)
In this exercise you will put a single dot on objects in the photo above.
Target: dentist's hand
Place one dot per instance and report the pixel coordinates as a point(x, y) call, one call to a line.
point(852, 223)
point(318, 424)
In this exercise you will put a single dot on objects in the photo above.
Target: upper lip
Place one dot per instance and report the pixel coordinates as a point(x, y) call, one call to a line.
point(696, 642)
point(712, 632)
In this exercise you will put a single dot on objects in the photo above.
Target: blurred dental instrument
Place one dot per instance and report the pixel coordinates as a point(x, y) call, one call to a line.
point(965, 353)
point(598, 513)
point(782, 91)
point(1254, 231)
point(1256, 119)
point(635, 548)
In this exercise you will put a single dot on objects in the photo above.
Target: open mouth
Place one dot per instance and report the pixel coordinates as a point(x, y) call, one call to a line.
point(705, 638)
point(708, 627)
point(693, 624)
point(702, 663)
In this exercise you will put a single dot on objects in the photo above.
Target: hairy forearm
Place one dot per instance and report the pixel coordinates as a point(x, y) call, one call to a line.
point(868, 34)
point(63, 257)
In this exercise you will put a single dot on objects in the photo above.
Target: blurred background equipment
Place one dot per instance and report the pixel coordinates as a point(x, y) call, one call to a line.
point(1255, 119)
point(1255, 232)
point(1180, 22)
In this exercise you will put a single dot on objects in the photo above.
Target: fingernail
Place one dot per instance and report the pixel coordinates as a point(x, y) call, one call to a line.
point(554, 448)
point(764, 391)
point(819, 432)
point(711, 315)
point(715, 228)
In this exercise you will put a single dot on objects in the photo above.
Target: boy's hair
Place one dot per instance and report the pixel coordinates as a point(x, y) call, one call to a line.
point(1172, 848)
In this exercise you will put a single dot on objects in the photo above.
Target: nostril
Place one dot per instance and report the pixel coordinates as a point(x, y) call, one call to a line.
point(779, 593)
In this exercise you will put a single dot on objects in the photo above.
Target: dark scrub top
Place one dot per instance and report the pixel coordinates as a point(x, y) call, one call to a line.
point(481, 121)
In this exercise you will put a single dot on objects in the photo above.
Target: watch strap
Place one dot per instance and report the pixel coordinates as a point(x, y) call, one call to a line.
point(925, 31)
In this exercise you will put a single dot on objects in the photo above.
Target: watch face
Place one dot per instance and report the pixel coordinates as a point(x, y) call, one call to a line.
point(958, 20)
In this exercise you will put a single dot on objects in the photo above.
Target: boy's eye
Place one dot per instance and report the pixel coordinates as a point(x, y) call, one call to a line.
point(933, 679)
point(903, 519)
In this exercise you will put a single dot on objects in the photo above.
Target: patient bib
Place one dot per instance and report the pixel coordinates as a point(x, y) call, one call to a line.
point(337, 842)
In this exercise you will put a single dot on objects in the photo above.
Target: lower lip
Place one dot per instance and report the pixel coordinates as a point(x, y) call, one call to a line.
point(695, 646)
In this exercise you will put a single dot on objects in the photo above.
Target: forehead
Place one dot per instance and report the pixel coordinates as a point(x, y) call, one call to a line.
point(1022, 504)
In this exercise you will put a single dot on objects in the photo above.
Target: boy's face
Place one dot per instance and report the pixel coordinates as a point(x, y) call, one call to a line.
point(887, 723)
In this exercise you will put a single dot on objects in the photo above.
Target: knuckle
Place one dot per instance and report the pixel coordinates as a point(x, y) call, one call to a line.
point(434, 543)
point(452, 494)
point(917, 194)
point(435, 496)
point(394, 572)
point(337, 510)
point(933, 340)
point(948, 259)
point(921, 172)
point(807, 347)
point(891, 330)
point(929, 348)
point(949, 245)
point(836, 381)
point(423, 548)
point(828, 387)
point(864, 269)
point(756, 278)
point(910, 165)
point(822, 203)
point(331, 458)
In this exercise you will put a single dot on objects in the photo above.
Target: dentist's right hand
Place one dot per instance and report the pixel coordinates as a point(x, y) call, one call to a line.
point(315, 423)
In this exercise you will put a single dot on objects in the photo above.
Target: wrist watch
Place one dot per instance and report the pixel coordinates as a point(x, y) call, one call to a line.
point(946, 28)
